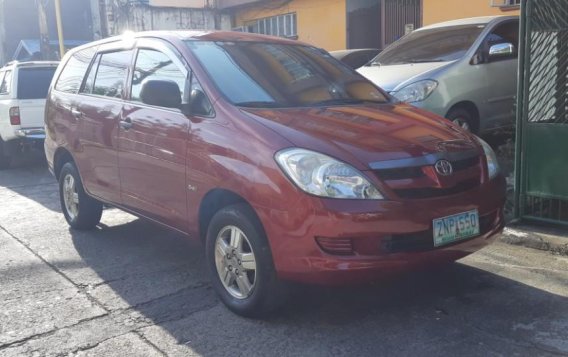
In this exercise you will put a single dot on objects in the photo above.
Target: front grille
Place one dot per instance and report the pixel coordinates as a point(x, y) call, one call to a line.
point(400, 174)
point(417, 171)
point(424, 241)
point(465, 163)
point(430, 192)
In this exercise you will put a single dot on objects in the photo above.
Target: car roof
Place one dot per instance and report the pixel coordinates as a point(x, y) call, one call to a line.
point(188, 35)
point(18, 64)
point(483, 20)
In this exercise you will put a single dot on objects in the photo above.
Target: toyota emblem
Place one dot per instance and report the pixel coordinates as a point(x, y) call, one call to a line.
point(444, 167)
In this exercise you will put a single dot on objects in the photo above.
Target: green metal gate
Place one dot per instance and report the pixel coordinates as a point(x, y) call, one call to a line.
point(542, 124)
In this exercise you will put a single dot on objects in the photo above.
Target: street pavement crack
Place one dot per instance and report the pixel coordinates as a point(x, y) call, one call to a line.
point(50, 332)
point(81, 289)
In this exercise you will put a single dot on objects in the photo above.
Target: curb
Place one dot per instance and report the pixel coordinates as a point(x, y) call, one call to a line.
point(555, 242)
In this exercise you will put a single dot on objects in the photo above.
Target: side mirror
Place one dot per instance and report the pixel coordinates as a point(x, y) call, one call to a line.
point(161, 93)
point(199, 104)
point(501, 50)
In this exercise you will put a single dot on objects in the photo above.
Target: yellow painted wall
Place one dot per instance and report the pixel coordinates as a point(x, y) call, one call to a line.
point(444, 10)
point(320, 22)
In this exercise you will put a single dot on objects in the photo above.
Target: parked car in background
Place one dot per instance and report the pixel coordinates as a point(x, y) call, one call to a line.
point(287, 165)
point(356, 58)
point(464, 70)
point(23, 88)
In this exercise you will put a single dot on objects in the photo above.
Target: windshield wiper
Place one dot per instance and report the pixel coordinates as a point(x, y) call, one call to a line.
point(259, 104)
point(373, 64)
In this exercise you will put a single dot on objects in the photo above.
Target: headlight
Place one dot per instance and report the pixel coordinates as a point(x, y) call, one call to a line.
point(492, 163)
point(324, 176)
point(416, 92)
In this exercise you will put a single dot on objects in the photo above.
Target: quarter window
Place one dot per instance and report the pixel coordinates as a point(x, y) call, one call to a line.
point(72, 75)
point(152, 64)
point(111, 74)
point(6, 85)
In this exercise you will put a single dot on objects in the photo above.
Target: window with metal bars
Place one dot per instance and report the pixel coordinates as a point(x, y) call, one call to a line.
point(505, 3)
point(284, 25)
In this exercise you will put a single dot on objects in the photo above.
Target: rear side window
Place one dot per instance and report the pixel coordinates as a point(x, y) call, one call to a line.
point(72, 75)
point(111, 73)
point(6, 84)
point(33, 83)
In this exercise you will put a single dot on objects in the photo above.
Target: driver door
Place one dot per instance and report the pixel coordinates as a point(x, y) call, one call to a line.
point(501, 74)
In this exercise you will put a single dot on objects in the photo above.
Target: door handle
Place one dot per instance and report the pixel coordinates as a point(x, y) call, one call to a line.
point(126, 124)
point(77, 114)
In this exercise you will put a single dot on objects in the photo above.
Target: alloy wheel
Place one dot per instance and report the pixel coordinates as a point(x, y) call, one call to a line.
point(235, 262)
point(462, 123)
point(70, 196)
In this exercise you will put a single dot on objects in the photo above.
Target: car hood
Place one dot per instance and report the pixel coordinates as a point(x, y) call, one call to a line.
point(391, 76)
point(362, 135)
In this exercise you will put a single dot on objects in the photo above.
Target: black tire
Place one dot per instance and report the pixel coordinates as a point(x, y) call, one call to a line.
point(268, 292)
point(5, 160)
point(463, 118)
point(89, 210)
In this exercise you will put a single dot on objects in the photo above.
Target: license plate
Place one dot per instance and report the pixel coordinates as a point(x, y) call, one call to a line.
point(456, 227)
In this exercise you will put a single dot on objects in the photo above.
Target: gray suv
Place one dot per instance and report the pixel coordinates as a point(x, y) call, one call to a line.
point(464, 70)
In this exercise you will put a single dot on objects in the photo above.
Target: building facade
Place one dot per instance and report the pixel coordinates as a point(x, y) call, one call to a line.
point(340, 24)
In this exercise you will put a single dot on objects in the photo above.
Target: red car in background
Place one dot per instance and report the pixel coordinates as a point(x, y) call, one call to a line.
point(287, 164)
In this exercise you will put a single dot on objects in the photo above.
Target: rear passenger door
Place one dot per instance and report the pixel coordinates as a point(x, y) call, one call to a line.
point(152, 140)
point(98, 114)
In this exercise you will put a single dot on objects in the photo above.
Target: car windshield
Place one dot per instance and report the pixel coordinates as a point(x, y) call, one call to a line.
point(33, 83)
point(434, 45)
point(269, 75)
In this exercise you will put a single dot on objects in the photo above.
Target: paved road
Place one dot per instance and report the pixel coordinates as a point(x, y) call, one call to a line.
point(131, 288)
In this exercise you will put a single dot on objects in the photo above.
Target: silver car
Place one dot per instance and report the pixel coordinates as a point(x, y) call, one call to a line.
point(464, 70)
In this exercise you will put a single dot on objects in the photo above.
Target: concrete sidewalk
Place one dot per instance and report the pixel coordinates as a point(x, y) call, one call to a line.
point(553, 240)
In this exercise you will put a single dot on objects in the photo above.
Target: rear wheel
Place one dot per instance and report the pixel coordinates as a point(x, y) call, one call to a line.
point(240, 263)
point(81, 211)
point(5, 160)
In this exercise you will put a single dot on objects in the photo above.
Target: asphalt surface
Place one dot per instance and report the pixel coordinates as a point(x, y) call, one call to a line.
point(131, 288)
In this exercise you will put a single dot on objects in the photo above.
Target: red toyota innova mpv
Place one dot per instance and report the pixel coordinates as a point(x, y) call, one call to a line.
point(289, 165)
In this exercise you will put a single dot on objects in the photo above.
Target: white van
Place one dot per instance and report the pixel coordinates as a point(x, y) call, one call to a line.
point(23, 88)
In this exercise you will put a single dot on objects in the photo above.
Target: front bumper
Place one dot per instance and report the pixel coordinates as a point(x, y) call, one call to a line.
point(386, 236)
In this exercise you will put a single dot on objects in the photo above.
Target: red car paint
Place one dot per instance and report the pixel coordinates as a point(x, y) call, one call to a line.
point(165, 166)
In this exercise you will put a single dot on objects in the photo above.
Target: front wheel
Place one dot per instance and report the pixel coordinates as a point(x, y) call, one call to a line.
point(240, 263)
point(463, 118)
point(81, 211)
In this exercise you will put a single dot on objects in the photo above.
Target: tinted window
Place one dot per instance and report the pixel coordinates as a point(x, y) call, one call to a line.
point(6, 85)
point(111, 74)
point(90, 80)
point(276, 75)
point(434, 45)
point(151, 64)
point(72, 75)
point(33, 83)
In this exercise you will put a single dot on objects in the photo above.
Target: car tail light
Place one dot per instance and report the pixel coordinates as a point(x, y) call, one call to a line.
point(336, 246)
point(15, 116)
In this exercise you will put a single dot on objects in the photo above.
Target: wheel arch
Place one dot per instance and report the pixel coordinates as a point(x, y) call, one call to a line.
point(60, 158)
point(215, 200)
